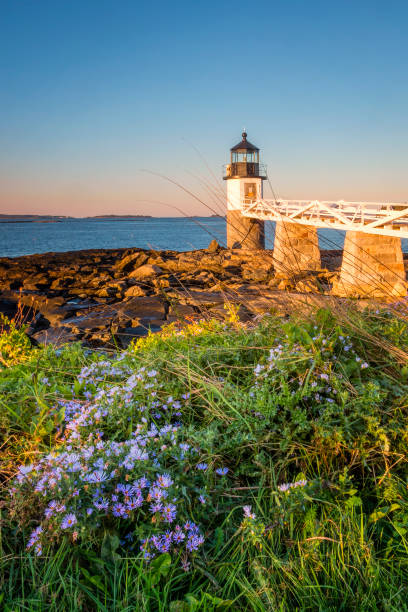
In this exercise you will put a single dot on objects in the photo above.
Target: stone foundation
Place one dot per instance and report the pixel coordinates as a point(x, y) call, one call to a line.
point(372, 266)
point(296, 249)
point(244, 232)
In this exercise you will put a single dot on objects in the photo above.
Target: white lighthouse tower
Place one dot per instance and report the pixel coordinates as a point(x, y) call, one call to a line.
point(244, 175)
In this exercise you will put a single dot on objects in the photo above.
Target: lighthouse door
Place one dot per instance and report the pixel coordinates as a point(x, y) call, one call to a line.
point(250, 192)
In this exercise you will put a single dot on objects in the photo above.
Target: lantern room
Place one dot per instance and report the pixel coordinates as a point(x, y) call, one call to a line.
point(244, 161)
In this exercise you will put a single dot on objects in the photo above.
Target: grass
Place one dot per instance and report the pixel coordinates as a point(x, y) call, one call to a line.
point(310, 416)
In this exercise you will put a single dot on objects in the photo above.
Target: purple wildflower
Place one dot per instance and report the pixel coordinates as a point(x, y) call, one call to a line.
point(194, 541)
point(119, 510)
point(248, 512)
point(101, 504)
point(156, 507)
point(169, 513)
point(164, 481)
point(68, 521)
point(222, 471)
point(134, 502)
point(34, 536)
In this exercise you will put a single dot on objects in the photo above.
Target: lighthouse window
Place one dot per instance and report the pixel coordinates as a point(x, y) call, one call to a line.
point(248, 156)
point(250, 191)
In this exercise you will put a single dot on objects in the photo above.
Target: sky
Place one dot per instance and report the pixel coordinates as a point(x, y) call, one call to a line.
point(131, 107)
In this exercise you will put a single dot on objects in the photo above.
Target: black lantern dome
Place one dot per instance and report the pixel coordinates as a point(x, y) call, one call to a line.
point(244, 145)
point(244, 161)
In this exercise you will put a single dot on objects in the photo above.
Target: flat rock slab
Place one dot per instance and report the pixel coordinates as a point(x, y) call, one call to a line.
point(132, 261)
point(128, 334)
point(198, 298)
point(92, 321)
point(146, 271)
point(55, 336)
point(141, 307)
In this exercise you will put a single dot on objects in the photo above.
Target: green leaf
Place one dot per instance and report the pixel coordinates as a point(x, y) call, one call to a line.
point(192, 602)
point(377, 515)
point(49, 426)
point(95, 580)
point(217, 603)
point(109, 546)
point(219, 539)
point(161, 565)
point(353, 501)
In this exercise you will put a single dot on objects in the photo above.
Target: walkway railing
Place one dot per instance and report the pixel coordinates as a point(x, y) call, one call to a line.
point(390, 219)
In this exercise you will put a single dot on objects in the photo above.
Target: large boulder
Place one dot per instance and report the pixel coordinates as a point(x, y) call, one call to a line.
point(61, 283)
point(194, 297)
point(140, 308)
point(213, 247)
point(147, 271)
point(127, 334)
point(135, 291)
point(132, 261)
point(56, 336)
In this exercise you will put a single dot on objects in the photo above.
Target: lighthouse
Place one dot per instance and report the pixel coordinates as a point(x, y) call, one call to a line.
point(244, 175)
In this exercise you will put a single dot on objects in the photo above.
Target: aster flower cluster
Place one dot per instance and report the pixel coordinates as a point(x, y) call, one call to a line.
point(319, 355)
point(292, 485)
point(100, 370)
point(92, 479)
point(135, 397)
point(182, 539)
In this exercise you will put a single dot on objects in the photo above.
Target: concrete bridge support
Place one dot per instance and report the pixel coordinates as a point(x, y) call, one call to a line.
point(243, 232)
point(372, 266)
point(296, 249)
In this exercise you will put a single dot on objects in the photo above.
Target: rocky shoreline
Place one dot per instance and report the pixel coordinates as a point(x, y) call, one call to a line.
point(107, 297)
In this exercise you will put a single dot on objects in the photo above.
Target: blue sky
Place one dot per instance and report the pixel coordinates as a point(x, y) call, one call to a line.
point(92, 93)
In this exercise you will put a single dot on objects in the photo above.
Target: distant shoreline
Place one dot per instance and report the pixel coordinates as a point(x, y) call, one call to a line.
point(31, 221)
point(54, 219)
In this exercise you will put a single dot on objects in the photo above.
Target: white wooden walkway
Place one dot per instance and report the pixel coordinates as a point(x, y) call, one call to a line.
point(387, 219)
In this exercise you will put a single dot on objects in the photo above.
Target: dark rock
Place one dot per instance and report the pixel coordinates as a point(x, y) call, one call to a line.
point(310, 285)
point(198, 298)
point(181, 312)
point(135, 291)
point(146, 271)
point(213, 247)
point(256, 274)
point(37, 323)
point(37, 282)
point(8, 307)
point(141, 307)
point(55, 336)
point(100, 338)
point(128, 334)
point(132, 261)
point(62, 282)
point(92, 321)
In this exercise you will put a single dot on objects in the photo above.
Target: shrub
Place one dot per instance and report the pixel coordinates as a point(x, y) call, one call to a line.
point(15, 346)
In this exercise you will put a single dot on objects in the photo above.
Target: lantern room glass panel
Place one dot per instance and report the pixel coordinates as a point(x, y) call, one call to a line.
point(251, 157)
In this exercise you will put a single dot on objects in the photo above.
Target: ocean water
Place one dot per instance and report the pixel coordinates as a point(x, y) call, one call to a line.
point(179, 234)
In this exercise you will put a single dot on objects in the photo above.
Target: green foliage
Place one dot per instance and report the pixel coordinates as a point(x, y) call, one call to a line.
point(309, 415)
point(15, 346)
